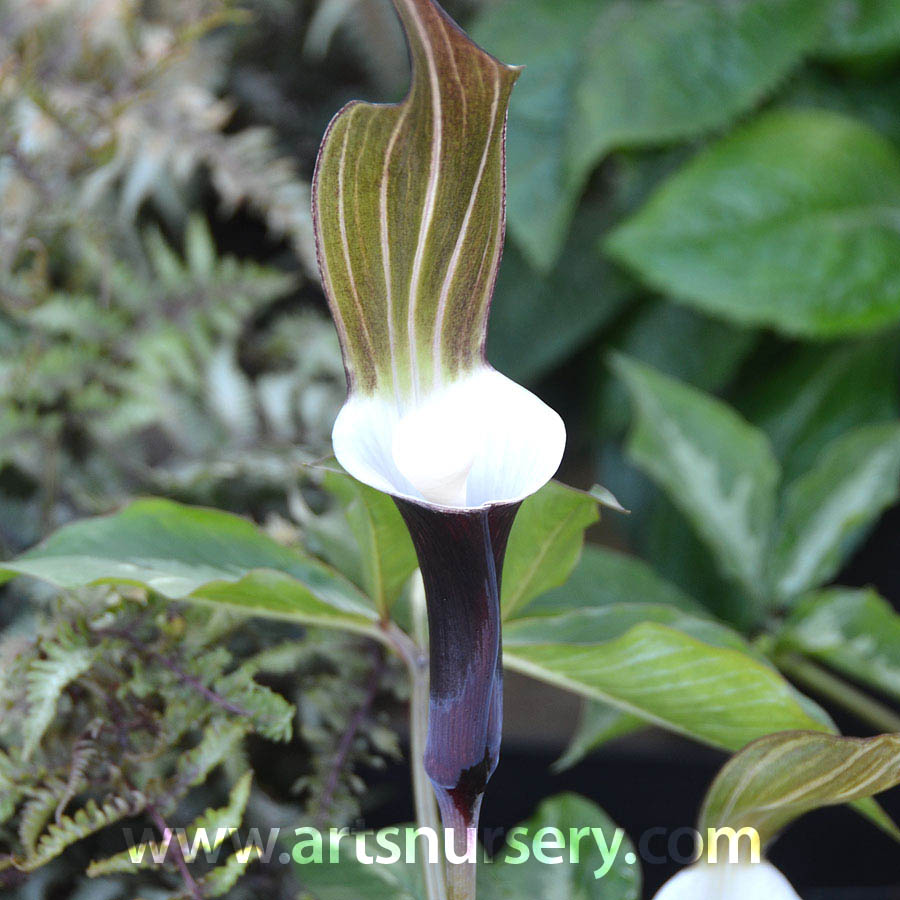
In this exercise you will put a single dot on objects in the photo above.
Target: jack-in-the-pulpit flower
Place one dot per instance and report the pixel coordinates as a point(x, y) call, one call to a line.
point(409, 213)
point(726, 880)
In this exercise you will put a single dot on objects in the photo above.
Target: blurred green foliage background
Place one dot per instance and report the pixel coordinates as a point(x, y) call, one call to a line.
point(710, 187)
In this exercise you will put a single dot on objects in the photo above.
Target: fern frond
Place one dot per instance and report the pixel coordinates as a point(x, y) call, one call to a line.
point(222, 879)
point(125, 863)
point(92, 817)
point(215, 822)
point(280, 659)
point(46, 679)
point(10, 792)
point(83, 754)
point(220, 822)
point(272, 716)
point(34, 817)
point(220, 739)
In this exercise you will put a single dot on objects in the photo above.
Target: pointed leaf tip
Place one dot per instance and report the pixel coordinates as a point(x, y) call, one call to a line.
point(778, 778)
point(409, 213)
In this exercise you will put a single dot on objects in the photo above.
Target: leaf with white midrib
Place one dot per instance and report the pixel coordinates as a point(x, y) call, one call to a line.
point(718, 468)
point(202, 555)
point(716, 694)
point(827, 510)
point(782, 776)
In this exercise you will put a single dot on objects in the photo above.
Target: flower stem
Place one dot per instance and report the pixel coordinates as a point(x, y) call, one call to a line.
point(415, 656)
point(840, 692)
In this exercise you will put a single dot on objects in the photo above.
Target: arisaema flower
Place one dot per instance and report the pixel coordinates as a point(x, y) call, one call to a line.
point(728, 881)
point(409, 213)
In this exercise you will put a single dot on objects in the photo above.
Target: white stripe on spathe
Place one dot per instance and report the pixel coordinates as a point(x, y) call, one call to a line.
point(461, 239)
point(430, 193)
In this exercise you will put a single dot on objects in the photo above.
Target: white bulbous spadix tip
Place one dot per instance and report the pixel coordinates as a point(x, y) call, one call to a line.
point(434, 447)
point(728, 881)
point(480, 440)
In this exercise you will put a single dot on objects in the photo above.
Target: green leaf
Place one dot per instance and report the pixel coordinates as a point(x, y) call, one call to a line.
point(782, 776)
point(854, 631)
point(387, 555)
point(789, 222)
point(537, 321)
point(85, 821)
point(352, 879)
point(605, 623)
point(189, 553)
point(828, 510)
point(604, 577)
point(862, 30)
point(818, 393)
point(408, 209)
point(220, 880)
point(545, 543)
point(715, 466)
point(219, 742)
point(598, 724)
point(215, 823)
point(657, 335)
point(46, 680)
point(574, 105)
point(507, 878)
point(677, 86)
point(872, 100)
point(550, 38)
point(720, 695)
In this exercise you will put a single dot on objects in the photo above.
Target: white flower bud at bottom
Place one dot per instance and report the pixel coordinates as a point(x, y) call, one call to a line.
point(728, 881)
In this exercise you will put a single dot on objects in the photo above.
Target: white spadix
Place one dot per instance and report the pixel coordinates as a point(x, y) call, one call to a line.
point(477, 441)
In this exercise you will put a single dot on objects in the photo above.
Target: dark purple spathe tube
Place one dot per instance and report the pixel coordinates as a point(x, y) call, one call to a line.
point(460, 555)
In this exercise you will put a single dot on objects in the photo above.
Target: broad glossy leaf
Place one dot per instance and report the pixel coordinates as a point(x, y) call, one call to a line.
point(828, 510)
point(680, 556)
point(854, 631)
point(545, 543)
point(189, 553)
point(605, 623)
point(789, 222)
point(656, 335)
point(782, 776)
point(549, 37)
point(820, 392)
point(539, 320)
point(574, 105)
point(604, 577)
point(720, 695)
point(676, 84)
point(387, 556)
point(715, 466)
point(862, 30)
point(408, 209)
point(591, 877)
